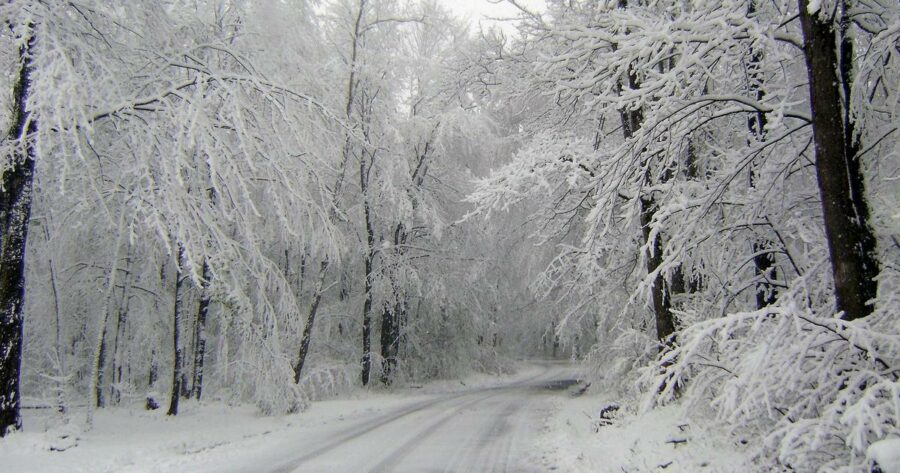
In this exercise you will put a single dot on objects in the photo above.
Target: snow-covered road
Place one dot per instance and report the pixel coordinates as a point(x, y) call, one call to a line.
point(484, 424)
point(484, 429)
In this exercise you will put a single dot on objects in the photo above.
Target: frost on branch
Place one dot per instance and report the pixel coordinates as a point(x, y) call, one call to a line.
point(815, 390)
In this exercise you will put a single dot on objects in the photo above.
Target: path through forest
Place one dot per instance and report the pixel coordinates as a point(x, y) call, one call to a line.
point(482, 423)
point(484, 429)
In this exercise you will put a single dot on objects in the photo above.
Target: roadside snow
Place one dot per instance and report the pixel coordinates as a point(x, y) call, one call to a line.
point(125, 440)
point(660, 440)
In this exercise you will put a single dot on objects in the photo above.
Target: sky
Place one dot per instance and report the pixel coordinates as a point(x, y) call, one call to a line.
point(481, 10)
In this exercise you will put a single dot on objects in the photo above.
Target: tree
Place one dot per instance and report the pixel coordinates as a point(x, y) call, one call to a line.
point(177, 322)
point(408, 206)
point(828, 51)
point(15, 213)
point(718, 97)
point(148, 148)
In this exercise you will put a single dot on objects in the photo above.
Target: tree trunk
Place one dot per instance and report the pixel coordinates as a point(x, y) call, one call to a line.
point(390, 336)
point(306, 338)
point(665, 321)
point(59, 349)
point(200, 334)
point(662, 307)
point(15, 213)
point(310, 320)
point(100, 369)
point(117, 344)
point(99, 365)
point(393, 314)
point(662, 304)
point(367, 299)
point(177, 360)
point(352, 84)
point(153, 373)
point(302, 270)
point(851, 242)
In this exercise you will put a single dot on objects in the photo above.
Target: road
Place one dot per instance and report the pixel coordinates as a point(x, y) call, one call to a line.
point(483, 430)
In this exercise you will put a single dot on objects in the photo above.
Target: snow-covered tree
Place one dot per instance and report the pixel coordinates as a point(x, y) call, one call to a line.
point(682, 132)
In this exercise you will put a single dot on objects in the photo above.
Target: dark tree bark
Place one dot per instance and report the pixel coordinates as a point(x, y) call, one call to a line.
point(177, 358)
point(369, 259)
point(99, 398)
point(200, 334)
point(302, 271)
point(851, 242)
point(306, 338)
point(764, 267)
point(310, 321)
point(390, 340)
point(186, 389)
point(662, 306)
point(352, 83)
point(367, 298)
point(15, 213)
point(665, 320)
point(118, 337)
point(763, 259)
point(364, 168)
point(366, 163)
point(153, 373)
point(392, 314)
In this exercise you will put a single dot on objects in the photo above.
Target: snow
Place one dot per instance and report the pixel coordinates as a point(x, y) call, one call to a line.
point(520, 422)
point(814, 6)
point(660, 440)
point(216, 437)
point(886, 453)
point(203, 437)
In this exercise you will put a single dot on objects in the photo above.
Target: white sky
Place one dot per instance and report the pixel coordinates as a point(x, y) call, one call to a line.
point(479, 10)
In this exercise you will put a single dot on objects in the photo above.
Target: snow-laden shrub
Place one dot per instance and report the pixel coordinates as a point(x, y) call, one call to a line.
point(271, 386)
point(327, 381)
point(618, 357)
point(808, 391)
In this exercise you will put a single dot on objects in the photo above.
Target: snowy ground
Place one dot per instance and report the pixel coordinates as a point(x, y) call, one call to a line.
point(480, 424)
point(578, 439)
point(533, 421)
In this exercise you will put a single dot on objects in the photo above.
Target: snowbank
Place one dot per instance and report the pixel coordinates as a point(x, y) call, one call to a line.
point(580, 440)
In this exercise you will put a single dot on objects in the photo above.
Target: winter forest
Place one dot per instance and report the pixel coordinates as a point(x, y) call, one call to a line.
point(279, 202)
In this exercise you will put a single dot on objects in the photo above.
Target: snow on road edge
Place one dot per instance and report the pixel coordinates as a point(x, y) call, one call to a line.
point(205, 436)
point(662, 440)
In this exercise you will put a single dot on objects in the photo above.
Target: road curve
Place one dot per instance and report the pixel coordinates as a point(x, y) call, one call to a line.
point(487, 430)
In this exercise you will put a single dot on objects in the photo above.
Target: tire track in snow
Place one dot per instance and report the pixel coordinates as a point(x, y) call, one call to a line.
point(408, 447)
point(492, 446)
point(357, 431)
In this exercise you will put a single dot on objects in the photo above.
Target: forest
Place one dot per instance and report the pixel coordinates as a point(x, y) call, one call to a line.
point(273, 202)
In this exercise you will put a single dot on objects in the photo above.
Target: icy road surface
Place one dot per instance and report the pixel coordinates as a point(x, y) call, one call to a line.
point(480, 430)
